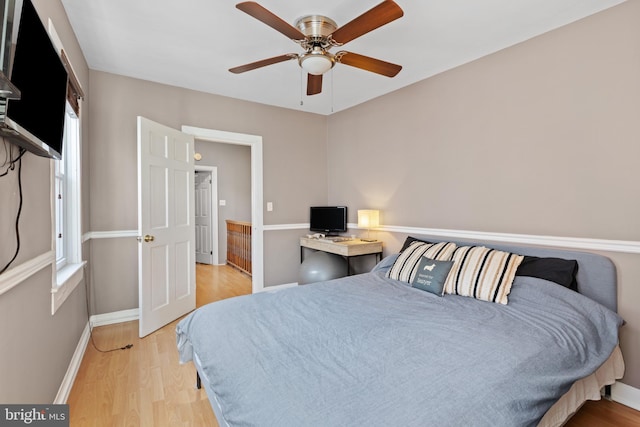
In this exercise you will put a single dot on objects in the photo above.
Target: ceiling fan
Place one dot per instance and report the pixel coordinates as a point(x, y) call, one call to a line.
point(317, 34)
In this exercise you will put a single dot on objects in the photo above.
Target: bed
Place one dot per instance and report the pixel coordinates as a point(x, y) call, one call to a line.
point(379, 349)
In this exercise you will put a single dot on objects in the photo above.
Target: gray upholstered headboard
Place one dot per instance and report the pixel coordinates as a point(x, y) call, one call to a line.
point(597, 277)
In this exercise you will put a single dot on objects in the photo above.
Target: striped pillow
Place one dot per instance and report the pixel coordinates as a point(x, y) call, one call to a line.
point(406, 265)
point(482, 273)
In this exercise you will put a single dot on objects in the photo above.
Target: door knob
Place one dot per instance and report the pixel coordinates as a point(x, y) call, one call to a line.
point(148, 238)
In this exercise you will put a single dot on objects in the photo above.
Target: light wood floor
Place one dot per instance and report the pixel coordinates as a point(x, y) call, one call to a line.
point(146, 386)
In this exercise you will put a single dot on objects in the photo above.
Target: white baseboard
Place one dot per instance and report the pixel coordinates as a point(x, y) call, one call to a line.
point(626, 394)
point(78, 354)
point(74, 366)
point(115, 317)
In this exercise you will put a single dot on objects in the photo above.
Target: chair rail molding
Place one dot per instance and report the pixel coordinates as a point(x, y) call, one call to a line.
point(606, 245)
point(624, 246)
point(16, 275)
point(115, 234)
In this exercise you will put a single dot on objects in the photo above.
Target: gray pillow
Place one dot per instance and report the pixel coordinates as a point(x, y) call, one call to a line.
point(431, 275)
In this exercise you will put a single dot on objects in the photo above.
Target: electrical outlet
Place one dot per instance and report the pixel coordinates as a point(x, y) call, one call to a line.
point(269, 206)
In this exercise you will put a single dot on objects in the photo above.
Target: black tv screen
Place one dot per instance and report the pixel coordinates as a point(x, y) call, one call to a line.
point(38, 72)
point(328, 219)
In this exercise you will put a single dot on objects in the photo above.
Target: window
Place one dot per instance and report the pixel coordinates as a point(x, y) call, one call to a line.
point(66, 203)
point(60, 197)
point(67, 214)
point(66, 197)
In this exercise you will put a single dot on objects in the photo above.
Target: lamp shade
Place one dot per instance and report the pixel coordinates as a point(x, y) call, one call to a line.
point(368, 218)
point(316, 64)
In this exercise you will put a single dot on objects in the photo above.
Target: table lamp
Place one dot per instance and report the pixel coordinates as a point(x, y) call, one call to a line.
point(368, 218)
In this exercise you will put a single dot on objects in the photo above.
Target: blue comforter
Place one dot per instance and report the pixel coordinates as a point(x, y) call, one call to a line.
point(370, 351)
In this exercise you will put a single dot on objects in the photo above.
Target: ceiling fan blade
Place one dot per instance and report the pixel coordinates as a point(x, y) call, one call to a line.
point(261, 14)
point(369, 64)
point(262, 63)
point(376, 17)
point(314, 84)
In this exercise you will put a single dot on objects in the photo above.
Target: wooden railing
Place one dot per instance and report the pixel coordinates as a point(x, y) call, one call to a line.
point(239, 245)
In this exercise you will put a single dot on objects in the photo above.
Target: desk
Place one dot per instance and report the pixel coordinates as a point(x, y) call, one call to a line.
point(347, 249)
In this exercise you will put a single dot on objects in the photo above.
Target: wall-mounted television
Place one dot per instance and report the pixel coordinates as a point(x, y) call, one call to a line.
point(33, 65)
point(328, 219)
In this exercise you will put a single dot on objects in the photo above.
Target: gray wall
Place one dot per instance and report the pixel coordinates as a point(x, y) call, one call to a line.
point(37, 347)
point(551, 123)
point(234, 185)
point(290, 181)
point(541, 138)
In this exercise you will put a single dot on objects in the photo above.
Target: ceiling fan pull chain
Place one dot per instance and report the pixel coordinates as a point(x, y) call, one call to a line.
point(301, 87)
point(332, 90)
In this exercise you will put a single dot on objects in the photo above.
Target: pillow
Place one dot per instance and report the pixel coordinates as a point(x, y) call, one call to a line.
point(405, 265)
point(561, 271)
point(409, 240)
point(385, 264)
point(431, 275)
point(482, 273)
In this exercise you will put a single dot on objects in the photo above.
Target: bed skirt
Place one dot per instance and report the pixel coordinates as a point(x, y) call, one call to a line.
point(586, 389)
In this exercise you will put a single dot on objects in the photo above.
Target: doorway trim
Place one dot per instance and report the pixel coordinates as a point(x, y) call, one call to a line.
point(213, 170)
point(257, 220)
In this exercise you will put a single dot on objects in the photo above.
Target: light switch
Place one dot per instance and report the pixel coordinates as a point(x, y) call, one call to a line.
point(269, 206)
point(223, 203)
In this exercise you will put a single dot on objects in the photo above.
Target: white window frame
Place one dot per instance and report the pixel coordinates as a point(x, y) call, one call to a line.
point(59, 199)
point(68, 270)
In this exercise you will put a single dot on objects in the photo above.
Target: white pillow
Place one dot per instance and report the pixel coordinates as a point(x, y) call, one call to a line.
point(482, 273)
point(406, 265)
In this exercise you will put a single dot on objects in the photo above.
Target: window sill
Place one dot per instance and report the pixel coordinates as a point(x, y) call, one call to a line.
point(67, 279)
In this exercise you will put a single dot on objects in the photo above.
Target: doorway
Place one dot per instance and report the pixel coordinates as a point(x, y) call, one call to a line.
point(166, 216)
point(257, 225)
point(206, 214)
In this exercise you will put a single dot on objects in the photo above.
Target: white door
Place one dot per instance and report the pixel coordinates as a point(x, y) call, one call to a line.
point(204, 226)
point(166, 261)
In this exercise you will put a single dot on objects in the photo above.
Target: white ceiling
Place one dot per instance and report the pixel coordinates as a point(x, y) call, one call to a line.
point(193, 43)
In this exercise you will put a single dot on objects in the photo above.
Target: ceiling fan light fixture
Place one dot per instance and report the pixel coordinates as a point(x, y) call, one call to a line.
point(317, 34)
point(316, 62)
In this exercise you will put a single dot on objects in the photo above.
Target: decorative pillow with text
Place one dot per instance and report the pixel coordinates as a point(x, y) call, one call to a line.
point(405, 266)
point(431, 275)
